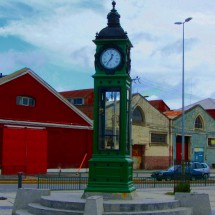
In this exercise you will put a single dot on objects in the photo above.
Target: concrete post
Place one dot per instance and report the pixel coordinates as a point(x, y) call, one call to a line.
point(19, 180)
point(94, 205)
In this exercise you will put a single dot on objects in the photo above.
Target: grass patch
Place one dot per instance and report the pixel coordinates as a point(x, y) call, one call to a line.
point(170, 193)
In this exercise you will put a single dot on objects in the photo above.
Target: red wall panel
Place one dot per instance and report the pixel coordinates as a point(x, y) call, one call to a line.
point(13, 156)
point(211, 112)
point(1, 143)
point(36, 151)
point(24, 150)
point(67, 147)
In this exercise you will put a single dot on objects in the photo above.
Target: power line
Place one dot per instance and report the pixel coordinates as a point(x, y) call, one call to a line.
point(145, 84)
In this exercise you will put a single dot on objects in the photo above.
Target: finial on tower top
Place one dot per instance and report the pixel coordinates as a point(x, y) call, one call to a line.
point(113, 29)
point(114, 4)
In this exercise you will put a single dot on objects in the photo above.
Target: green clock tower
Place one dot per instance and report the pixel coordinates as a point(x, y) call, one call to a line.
point(111, 166)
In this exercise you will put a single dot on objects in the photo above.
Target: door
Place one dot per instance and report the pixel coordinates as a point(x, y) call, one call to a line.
point(199, 155)
point(24, 150)
point(179, 148)
point(137, 151)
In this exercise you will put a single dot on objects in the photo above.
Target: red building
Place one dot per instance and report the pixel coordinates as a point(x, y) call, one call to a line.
point(82, 99)
point(159, 105)
point(39, 128)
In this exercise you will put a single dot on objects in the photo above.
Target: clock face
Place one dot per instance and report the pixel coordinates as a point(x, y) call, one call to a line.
point(110, 58)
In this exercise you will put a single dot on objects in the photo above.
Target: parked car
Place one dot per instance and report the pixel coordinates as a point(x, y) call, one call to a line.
point(202, 167)
point(175, 172)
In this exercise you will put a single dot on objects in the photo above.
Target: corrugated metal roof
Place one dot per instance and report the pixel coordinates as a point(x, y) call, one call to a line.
point(207, 104)
point(173, 114)
point(77, 93)
point(160, 105)
point(86, 109)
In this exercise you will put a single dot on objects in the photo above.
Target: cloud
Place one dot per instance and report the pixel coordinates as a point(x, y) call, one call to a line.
point(16, 60)
point(83, 57)
point(17, 10)
point(176, 47)
point(141, 36)
point(14, 43)
point(59, 33)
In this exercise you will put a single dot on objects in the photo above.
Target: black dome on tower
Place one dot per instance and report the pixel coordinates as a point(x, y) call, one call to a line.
point(114, 29)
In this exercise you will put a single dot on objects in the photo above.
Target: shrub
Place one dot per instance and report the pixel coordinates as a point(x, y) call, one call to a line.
point(182, 187)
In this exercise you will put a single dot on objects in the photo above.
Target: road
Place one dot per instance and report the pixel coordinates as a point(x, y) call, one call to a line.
point(8, 188)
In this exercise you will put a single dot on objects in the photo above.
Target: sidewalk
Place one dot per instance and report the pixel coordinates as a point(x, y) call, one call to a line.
point(7, 205)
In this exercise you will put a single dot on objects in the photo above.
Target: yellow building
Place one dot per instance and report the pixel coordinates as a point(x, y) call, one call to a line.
point(151, 139)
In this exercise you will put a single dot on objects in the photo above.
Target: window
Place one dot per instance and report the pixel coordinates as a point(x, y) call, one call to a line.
point(211, 141)
point(25, 101)
point(109, 115)
point(203, 165)
point(199, 123)
point(157, 138)
point(197, 166)
point(137, 116)
point(76, 101)
point(128, 122)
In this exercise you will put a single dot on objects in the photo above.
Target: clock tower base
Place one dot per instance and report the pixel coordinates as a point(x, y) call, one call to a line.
point(112, 175)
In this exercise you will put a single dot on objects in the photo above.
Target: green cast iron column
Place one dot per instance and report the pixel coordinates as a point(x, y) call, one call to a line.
point(111, 167)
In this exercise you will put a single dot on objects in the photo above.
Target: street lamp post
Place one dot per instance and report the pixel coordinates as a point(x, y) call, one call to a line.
point(182, 124)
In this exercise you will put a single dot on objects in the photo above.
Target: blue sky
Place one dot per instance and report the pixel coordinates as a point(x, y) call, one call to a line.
point(54, 39)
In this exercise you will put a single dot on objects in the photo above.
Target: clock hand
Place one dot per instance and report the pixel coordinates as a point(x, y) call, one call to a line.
point(110, 59)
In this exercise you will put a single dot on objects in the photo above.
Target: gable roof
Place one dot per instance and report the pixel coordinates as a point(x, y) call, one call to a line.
point(85, 108)
point(12, 76)
point(207, 104)
point(160, 105)
point(25, 71)
point(142, 97)
point(177, 113)
point(77, 93)
point(173, 113)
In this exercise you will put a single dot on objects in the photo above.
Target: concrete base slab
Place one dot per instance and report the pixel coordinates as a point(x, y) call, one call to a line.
point(199, 202)
point(70, 202)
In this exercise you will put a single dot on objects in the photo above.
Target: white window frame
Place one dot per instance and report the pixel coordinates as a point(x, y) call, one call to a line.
point(73, 101)
point(25, 101)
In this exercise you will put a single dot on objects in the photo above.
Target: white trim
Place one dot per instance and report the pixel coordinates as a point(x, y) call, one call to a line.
point(19, 126)
point(42, 124)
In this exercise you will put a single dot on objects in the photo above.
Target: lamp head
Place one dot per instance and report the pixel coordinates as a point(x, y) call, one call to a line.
point(188, 19)
point(178, 23)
